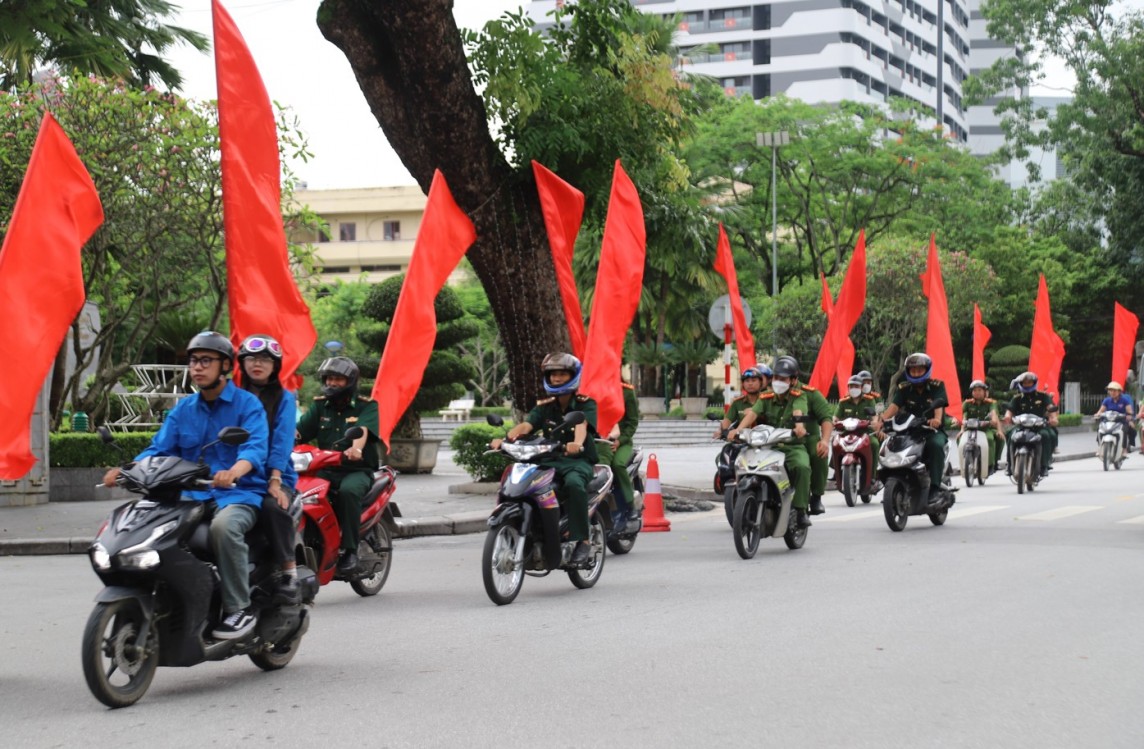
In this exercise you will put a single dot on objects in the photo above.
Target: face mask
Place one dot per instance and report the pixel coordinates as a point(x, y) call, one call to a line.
point(867, 388)
point(780, 387)
point(855, 392)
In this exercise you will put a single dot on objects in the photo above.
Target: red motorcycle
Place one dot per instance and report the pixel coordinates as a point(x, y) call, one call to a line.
point(853, 459)
point(321, 536)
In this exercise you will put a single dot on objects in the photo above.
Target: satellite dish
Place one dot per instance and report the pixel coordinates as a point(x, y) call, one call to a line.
point(720, 313)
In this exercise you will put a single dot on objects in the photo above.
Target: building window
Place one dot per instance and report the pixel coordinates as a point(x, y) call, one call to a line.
point(391, 230)
point(730, 18)
point(347, 231)
point(323, 235)
point(381, 268)
point(336, 269)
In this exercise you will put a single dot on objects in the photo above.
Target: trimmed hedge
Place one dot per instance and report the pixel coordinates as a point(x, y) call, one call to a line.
point(85, 450)
point(1069, 420)
point(470, 443)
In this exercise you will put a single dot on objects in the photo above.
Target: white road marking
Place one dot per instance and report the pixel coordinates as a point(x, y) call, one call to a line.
point(1138, 520)
point(1061, 512)
point(964, 512)
point(849, 516)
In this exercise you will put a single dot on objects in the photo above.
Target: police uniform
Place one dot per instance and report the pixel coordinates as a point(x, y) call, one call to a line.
point(573, 472)
point(325, 423)
point(915, 399)
point(820, 411)
point(1040, 404)
point(982, 411)
point(739, 406)
point(618, 458)
point(778, 411)
point(861, 408)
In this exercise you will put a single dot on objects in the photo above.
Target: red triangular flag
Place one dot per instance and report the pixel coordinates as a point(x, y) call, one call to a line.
point(262, 294)
point(1046, 350)
point(1124, 327)
point(939, 341)
point(445, 235)
point(851, 302)
point(981, 336)
point(618, 285)
point(563, 209)
point(846, 360)
point(41, 282)
point(725, 266)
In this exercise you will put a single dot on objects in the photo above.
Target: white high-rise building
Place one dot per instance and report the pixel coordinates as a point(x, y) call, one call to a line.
point(825, 50)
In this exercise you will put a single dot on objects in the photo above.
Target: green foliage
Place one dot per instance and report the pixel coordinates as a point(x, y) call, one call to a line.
point(675, 414)
point(87, 450)
point(1069, 420)
point(1005, 364)
point(470, 443)
point(713, 411)
point(484, 351)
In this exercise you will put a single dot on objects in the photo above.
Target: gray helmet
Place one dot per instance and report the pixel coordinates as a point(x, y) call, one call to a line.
point(865, 375)
point(978, 384)
point(786, 366)
point(855, 380)
point(561, 362)
point(343, 366)
point(209, 340)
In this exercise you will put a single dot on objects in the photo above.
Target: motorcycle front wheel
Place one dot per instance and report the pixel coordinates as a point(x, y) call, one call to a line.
point(118, 670)
point(896, 504)
point(503, 573)
point(968, 459)
point(850, 483)
point(1106, 454)
point(589, 576)
point(1020, 468)
point(375, 552)
point(729, 504)
point(748, 524)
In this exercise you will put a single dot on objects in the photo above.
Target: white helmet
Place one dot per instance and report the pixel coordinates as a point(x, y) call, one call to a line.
point(1114, 385)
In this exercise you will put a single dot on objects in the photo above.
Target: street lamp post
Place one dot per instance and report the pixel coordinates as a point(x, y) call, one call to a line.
point(773, 141)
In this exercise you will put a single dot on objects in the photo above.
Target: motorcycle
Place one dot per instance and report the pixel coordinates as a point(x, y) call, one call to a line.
point(1112, 436)
point(162, 588)
point(905, 478)
point(763, 492)
point(725, 471)
point(853, 458)
point(621, 540)
point(527, 530)
point(1025, 451)
point(973, 451)
point(321, 535)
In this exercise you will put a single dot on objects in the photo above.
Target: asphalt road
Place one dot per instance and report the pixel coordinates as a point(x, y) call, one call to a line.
point(1017, 624)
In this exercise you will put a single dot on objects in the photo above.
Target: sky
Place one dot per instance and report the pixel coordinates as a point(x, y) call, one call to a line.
point(310, 75)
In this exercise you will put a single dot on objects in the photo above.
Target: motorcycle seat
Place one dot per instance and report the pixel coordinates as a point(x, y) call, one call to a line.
point(200, 542)
point(601, 476)
point(380, 484)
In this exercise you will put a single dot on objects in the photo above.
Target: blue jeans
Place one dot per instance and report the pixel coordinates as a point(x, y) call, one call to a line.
point(228, 542)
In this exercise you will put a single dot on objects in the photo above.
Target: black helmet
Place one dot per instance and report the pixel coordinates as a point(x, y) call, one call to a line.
point(343, 366)
point(262, 344)
point(561, 362)
point(918, 360)
point(786, 366)
point(209, 340)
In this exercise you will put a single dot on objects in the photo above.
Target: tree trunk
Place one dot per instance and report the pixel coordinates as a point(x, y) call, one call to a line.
point(410, 64)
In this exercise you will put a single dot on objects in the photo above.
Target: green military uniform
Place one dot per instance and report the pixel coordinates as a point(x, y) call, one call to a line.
point(821, 411)
point(739, 406)
point(915, 399)
point(1039, 404)
point(982, 411)
point(778, 411)
point(573, 472)
point(618, 458)
point(862, 407)
point(327, 422)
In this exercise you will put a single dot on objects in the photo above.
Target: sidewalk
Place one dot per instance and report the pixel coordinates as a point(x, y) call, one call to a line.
point(428, 504)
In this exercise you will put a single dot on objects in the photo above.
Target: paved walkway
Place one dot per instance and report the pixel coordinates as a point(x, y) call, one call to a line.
point(440, 503)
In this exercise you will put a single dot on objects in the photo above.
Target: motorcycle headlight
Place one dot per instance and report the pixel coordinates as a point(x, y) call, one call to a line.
point(142, 560)
point(301, 461)
point(100, 559)
point(893, 460)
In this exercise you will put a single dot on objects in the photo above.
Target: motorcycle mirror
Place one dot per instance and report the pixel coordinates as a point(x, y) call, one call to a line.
point(354, 433)
point(105, 434)
point(495, 420)
point(871, 412)
point(572, 418)
point(714, 417)
point(233, 435)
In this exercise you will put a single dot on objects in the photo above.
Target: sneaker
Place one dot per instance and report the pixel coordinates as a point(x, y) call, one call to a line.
point(287, 593)
point(235, 625)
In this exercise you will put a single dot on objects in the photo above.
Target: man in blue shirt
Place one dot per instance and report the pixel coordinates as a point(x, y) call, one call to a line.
point(239, 473)
point(1118, 401)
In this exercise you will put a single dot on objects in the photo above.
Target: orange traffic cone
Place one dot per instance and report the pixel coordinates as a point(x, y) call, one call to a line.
point(653, 520)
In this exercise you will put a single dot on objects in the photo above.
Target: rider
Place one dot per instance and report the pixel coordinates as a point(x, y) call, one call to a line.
point(785, 406)
point(1029, 400)
point(922, 396)
point(859, 405)
point(868, 384)
point(574, 471)
point(337, 409)
point(260, 358)
point(754, 380)
point(1121, 403)
point(239, 480)
point(983, 408)
point(617, 452)
point(819, 429)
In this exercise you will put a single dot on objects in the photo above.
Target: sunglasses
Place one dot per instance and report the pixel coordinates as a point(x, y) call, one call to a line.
point(255, 345)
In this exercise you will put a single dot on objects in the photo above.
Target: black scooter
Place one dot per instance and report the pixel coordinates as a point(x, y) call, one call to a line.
point(905, 476)
point(163, 593)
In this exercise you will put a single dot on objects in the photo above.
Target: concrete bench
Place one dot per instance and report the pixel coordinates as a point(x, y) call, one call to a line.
point(458, 409)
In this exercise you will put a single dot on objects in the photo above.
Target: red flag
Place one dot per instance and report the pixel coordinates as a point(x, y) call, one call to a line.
point(725, 266)
point(618, 285)
point(1047, 350)
point(563, 209)
point(261, 290)
point(939, 342)
point(1124, 329)
point(41, 282)
point(851, 302)
point(981, 336)
point(846, 360)
point(445, 235)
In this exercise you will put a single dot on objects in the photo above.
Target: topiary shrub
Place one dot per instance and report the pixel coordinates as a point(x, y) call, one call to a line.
point(1069, 420)
point(676, 414)
point(470, 443)
point(445, 373)
point(1006, 363)
point(86, 450)
point(716, 412)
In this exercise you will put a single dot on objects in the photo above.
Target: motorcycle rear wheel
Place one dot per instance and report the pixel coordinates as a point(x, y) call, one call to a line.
point(896, 504)
point(503, 573)
point(729, 504)
point(938, 518)
point(586, 578)
point(622, 545)
point(108, 648)
point(748, 524)
point(378, 538)
point(276, 658)
point(850, 483)
point(795, 537)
